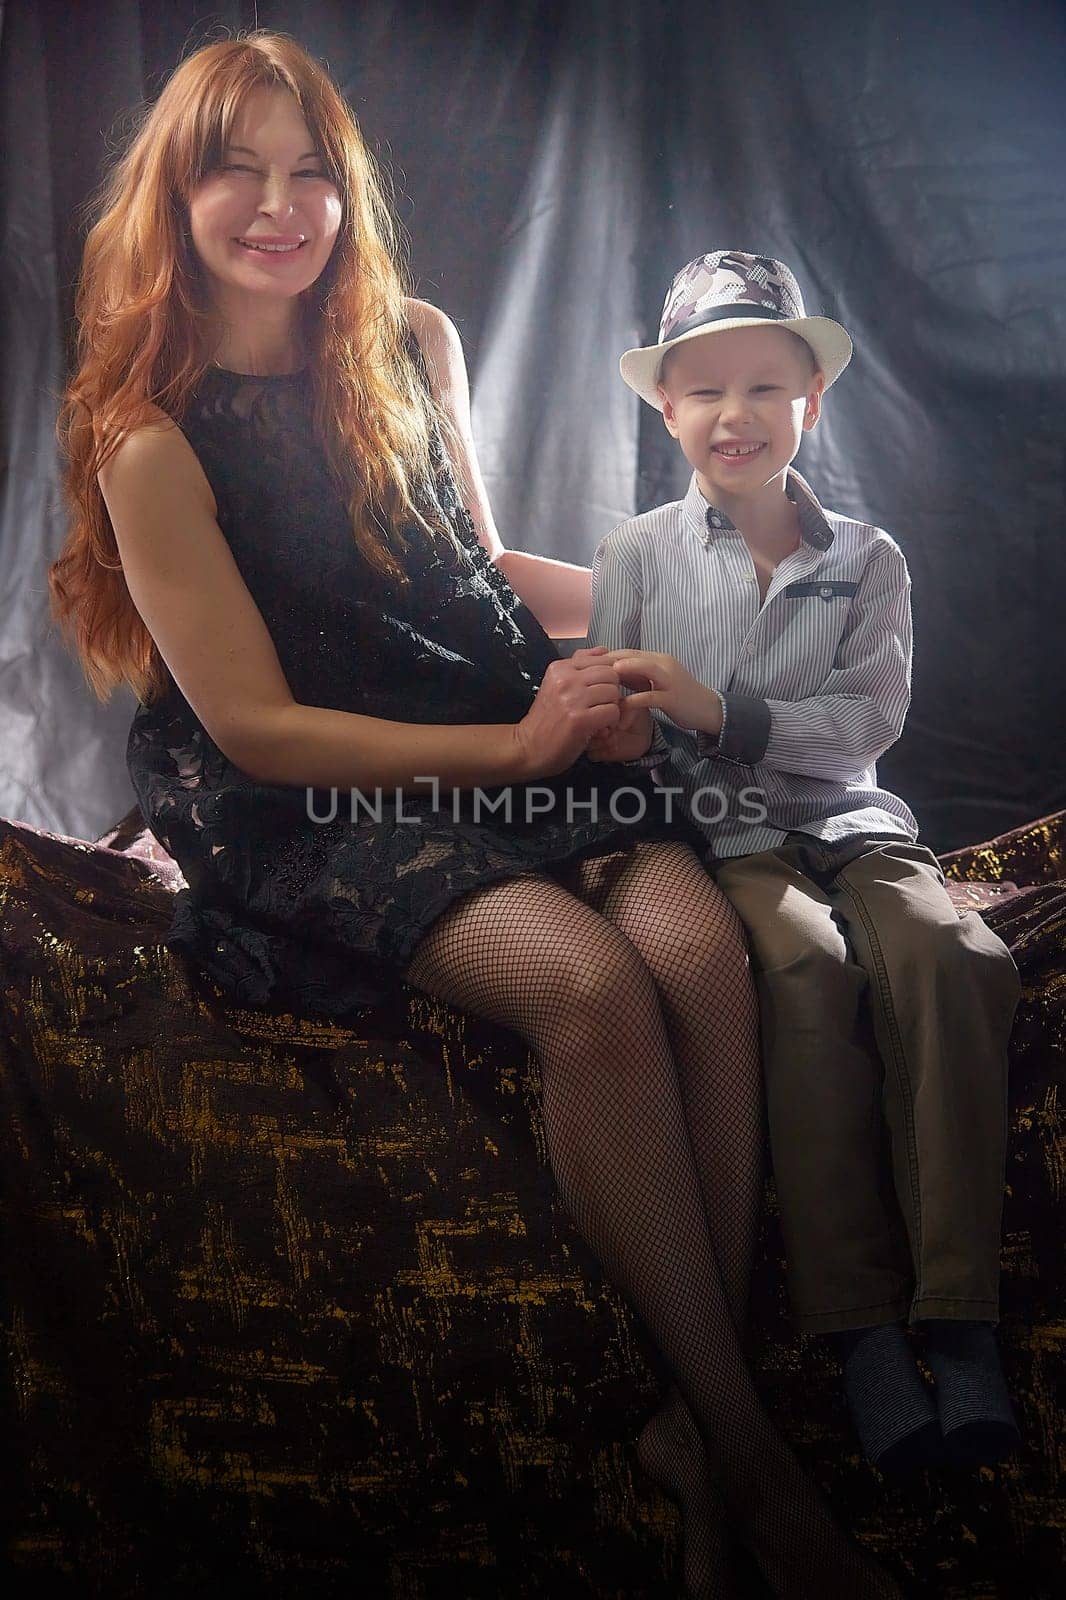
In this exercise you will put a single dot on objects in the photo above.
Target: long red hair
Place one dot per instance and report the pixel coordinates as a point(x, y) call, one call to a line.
point(144, 321)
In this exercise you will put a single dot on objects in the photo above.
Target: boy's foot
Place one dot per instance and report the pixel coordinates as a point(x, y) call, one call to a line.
point(976, 1416)
point(891, 1407)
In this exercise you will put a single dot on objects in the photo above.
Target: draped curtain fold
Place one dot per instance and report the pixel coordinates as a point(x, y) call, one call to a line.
point(555, 162)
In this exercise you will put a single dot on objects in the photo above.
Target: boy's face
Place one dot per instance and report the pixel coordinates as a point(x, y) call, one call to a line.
point(747, 387)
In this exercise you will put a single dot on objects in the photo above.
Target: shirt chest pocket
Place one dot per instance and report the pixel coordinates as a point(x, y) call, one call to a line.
point(812, 616)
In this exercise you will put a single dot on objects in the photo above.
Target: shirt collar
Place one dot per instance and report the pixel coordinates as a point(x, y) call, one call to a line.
point(707, 522)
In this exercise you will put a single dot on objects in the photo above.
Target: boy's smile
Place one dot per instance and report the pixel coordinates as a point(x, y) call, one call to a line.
point(737, 453)
point(739, 403)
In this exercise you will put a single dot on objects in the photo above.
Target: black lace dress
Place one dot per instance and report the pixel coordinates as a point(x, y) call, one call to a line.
point(291, 899)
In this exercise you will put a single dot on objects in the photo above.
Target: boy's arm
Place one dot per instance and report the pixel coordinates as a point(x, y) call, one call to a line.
point(859, 710)
point(615, 622)
point(557, 592)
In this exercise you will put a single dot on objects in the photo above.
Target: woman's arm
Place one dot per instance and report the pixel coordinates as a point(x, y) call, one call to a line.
point(189, 591)
point(557, 592)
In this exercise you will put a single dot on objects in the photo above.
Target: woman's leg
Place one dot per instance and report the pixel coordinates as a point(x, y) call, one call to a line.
point(529, 955)
point(695, 948)
point(694, 945)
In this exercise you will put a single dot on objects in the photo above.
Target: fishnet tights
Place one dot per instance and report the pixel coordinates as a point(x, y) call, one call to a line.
point(629, 981)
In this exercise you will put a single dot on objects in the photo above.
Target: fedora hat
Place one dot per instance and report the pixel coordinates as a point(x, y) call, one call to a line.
point(731, 289)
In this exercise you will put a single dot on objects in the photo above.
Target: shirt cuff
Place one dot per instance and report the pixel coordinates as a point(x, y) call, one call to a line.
point(657, 752)
point(745, 731)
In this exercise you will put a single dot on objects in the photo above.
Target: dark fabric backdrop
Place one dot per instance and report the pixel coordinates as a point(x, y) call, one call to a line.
point(554, 164)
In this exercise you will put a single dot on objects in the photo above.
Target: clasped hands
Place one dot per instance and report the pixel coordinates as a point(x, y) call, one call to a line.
point(613, 726)
point(654, 679)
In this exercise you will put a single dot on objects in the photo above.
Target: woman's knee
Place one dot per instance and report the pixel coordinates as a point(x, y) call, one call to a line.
point(694, 939)
point(544, 964)
point(605, 978)
point(676, 914)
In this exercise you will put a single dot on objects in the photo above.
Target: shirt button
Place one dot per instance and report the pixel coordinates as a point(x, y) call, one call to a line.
point(825, 591)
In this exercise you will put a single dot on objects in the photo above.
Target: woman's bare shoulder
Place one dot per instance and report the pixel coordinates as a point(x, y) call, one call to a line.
point(154, 444)
point(431, 326)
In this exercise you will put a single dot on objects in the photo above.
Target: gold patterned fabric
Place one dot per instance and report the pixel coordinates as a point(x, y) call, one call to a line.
point(291, 1307)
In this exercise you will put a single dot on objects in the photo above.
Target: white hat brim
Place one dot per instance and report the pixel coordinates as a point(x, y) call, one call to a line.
point(830, 342)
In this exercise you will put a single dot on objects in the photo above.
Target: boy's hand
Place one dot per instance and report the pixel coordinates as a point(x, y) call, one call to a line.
point(662, 681)
point(630, 738)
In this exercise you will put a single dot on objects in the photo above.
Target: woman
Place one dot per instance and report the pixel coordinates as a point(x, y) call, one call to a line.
point(270, 546)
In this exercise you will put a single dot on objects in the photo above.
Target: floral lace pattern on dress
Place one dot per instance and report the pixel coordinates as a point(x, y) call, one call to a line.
point(325, 915)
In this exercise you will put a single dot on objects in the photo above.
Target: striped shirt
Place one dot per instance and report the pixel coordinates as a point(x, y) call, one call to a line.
point(814, 680)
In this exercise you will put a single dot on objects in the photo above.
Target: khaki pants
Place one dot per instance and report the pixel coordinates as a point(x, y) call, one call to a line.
point(886, 1017)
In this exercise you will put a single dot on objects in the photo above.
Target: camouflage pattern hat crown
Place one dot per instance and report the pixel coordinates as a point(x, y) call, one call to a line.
point(733, 289)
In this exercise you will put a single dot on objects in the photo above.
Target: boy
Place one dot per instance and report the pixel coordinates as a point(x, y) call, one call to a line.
point(776, 640)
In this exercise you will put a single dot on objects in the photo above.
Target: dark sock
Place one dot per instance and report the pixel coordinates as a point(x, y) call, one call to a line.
point(891, 1407)
point(976, 1415)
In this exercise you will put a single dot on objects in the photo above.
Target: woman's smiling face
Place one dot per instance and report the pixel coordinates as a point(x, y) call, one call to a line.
point(270, 187)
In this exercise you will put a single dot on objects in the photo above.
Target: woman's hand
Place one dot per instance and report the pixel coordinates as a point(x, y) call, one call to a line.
point(578, 698)
point(627, 741)
point(663, 682)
